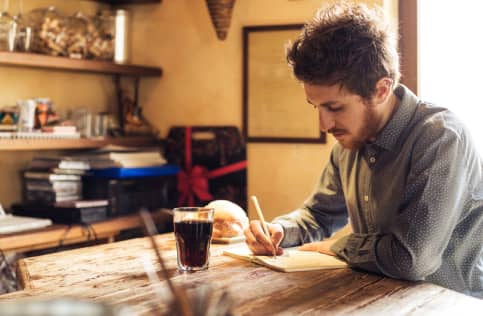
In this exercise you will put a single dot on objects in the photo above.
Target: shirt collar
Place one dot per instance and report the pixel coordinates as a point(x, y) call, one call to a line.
point(391, 133)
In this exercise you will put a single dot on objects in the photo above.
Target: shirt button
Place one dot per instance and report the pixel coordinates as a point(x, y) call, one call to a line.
point(366, 198)
point(372, 160)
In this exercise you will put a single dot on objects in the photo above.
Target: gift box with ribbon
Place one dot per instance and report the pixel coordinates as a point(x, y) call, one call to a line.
point(213, 161)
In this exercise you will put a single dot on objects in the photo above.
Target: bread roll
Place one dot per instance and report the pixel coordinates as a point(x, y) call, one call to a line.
point(229, 220)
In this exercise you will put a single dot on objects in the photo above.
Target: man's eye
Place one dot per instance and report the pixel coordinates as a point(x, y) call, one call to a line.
point(328, 108)
point(335, 109)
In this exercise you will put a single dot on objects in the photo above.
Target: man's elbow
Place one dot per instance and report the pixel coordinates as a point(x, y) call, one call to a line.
point(417, 271)
point(413, 275)
point(406, 263)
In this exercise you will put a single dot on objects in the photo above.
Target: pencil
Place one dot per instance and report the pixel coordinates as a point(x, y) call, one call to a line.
point(264, 224)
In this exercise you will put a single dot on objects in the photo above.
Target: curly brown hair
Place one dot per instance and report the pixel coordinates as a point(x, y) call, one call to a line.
point(346, 44)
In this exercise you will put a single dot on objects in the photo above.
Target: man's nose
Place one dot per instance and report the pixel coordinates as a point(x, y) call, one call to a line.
point(326, 121)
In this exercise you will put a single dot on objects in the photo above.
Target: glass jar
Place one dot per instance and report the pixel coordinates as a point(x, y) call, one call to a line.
point(49, 31)
point(23, 36)
point(102, 41)
point(7, 32)
point(77, 35)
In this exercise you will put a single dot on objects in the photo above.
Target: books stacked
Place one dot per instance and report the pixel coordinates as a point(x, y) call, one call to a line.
point(122, 157)
point(53, 179)
point(110, 157)
point(53, 189)
point(59, 165)
point(49, 188)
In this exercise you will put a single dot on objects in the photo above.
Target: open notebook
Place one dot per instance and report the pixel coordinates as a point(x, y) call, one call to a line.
point(13, 224)
point(292, 260)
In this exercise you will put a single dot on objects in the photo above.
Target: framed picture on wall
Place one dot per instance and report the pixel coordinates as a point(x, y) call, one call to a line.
point(274, 106)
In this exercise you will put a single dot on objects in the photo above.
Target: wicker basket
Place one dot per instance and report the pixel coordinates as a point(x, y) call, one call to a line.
point(220, 12)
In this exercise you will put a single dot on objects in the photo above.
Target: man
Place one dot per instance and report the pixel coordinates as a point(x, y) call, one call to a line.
point(405, 172)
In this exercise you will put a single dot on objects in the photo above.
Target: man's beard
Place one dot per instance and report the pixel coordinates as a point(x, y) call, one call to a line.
point(367, 131)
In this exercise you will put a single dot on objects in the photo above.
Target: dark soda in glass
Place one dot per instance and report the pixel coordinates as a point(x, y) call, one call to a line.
point(193, 239)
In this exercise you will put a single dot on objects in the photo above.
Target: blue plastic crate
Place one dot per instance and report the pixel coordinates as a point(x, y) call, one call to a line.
point(122, 173)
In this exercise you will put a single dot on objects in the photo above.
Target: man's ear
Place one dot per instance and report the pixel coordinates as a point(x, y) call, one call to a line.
point(383, 90)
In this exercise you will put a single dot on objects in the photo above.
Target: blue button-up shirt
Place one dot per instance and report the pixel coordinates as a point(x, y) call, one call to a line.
point(414, 198)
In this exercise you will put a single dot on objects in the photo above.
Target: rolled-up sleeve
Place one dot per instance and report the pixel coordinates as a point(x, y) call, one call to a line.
point(322, 214)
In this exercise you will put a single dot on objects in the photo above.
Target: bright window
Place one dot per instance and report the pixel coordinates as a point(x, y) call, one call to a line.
point(451, 59)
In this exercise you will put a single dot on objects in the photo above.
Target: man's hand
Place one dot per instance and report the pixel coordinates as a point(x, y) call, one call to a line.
point(260, 244)
point(319, 246)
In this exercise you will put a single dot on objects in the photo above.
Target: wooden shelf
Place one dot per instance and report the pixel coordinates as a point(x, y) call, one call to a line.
point(82, 143)
point(78, 65)
point(51, 236)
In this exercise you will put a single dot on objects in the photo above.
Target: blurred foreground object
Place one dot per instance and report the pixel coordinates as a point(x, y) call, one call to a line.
point(61, 307)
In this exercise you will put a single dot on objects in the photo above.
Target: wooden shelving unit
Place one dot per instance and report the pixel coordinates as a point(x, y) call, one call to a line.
point(82, 143)
point(78, 65)
point(38, 61)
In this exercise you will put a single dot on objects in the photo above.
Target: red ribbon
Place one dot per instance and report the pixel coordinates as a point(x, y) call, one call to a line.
point(193, 180)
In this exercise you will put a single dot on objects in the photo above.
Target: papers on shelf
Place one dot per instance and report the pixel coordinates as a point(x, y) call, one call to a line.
point(39, 135)
point(12, 223)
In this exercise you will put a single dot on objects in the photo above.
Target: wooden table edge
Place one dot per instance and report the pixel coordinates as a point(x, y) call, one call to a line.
point(23, 275)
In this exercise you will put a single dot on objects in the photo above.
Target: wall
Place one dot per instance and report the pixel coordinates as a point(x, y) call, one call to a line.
point(201, 85)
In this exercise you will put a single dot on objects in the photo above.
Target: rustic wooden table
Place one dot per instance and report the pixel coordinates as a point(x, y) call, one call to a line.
point(114, 273)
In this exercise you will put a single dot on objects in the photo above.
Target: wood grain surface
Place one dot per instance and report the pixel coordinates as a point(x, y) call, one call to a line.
point(114, 273)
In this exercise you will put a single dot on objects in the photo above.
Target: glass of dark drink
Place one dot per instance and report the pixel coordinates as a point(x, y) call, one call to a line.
point(193, 227)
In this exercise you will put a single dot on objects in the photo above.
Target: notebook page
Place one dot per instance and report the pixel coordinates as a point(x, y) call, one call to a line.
point(292, 260)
